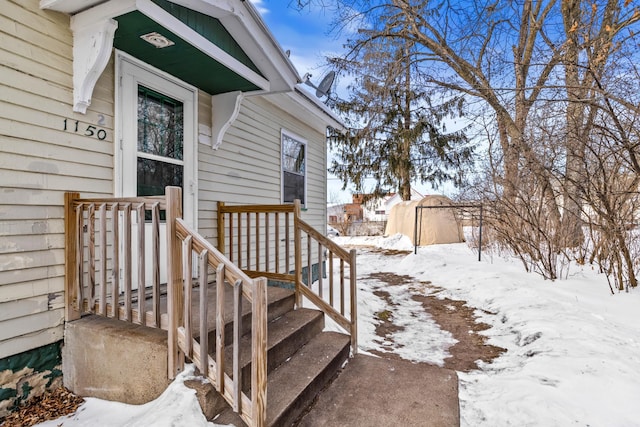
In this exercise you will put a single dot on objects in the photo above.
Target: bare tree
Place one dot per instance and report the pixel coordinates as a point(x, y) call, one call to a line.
point(592, 32)
point(557, 83)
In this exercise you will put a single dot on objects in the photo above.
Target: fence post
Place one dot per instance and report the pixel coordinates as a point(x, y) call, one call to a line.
point(175, 303)
point(354, 301)
point(259, 349)
point(71, 269)
point(415, 231)
point(297, 249)
point(480, 237)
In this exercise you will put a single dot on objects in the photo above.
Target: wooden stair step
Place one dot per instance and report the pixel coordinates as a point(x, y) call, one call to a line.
point(279, 302)
point(295, 383)
point(286, 335)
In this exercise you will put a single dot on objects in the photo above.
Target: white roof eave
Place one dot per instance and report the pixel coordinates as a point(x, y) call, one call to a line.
point(241, 20)
point(314, 104)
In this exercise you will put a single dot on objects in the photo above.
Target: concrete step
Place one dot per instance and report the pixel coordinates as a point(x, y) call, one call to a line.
point(93, 353)
point(286, 335)
point(295, 383)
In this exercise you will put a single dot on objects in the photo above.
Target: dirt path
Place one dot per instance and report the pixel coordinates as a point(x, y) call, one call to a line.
point(454, 316)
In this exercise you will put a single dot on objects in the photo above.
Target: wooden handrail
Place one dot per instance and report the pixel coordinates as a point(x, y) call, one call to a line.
point(250, 233)
point(251, 409)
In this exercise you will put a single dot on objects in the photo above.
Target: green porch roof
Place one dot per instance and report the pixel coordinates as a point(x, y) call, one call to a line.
point(182, 59)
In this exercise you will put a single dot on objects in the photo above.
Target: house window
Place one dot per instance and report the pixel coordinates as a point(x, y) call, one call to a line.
point(380, 212)
point(294, 158)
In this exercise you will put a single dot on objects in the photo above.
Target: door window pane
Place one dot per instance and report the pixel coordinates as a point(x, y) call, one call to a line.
point(160, 124)
point(154, 176)
point(160, 136)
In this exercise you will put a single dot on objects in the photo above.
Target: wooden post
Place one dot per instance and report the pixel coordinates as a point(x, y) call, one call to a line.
point(72, 305)
point(91, 231)
point(115, 259)
point(128, 295)
point(187, 259)
point(155, 260)
point(103, 259)
point(230, 254)
point(353, 296)
point(297, 252)
point(80, 261)
point(259, 349)
point(220, 272)
point(204, 311)
point(174, 278)
point(237, 336)
point(287, 244)
point(248, 245)
point(142, 315)
point(220, 227)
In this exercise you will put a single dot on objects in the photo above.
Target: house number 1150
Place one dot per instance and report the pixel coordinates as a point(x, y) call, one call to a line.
point(87, 130)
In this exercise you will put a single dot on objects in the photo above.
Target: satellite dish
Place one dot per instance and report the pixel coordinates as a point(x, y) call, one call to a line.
point(325, 84)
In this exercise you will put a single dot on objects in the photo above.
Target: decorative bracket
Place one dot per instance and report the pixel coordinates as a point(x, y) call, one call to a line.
point(224, 110)
point(92, 46)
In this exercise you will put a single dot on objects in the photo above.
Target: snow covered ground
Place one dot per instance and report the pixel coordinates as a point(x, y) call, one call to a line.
point(176, 407)
point(573, 349)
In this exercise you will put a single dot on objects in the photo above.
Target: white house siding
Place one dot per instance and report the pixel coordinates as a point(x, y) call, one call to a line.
point(39, 162)
point(246, 168)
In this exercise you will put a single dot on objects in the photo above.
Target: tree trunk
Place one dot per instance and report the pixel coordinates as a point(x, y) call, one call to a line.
point(571, 227)
point(405, 183)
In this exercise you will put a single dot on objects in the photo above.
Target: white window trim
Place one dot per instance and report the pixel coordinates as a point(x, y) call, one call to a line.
point(190, 181)
point(303, 141)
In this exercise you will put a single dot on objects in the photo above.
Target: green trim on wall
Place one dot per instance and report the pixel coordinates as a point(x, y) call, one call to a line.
point(24, 374)
point(45, 358)
point(7, 393)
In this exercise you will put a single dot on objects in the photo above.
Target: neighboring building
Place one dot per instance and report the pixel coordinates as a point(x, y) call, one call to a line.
point(373, 210)
point(335, 213)
point(85, 89)
point(353, 211)
point(378, 209)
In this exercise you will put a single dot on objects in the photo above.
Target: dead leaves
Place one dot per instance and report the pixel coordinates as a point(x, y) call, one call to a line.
point(49, 406)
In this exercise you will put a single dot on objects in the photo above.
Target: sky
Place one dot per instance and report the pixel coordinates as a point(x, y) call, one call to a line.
point(307, 35)
point(304, 33)
point(572, 348)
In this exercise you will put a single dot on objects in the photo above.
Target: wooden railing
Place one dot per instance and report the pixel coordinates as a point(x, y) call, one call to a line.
point(188, 243)
point(102, 278)
point(264, 239)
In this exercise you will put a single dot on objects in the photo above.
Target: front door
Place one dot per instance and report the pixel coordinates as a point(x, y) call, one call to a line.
point(158, 140)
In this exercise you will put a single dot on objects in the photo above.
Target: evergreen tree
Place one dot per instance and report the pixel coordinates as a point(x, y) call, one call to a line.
point(396, 136)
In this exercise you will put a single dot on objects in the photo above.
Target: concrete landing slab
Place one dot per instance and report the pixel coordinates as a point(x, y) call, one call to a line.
point(375, 391)
point(114, 360)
